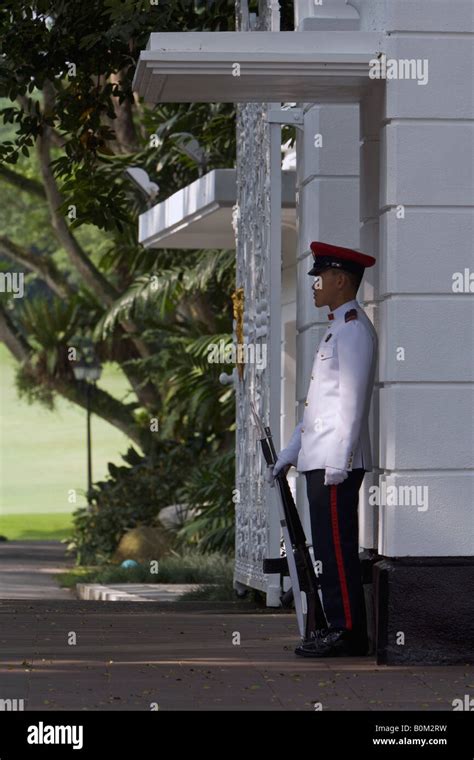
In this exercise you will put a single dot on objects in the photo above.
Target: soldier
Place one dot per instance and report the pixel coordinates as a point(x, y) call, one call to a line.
point(332, 446)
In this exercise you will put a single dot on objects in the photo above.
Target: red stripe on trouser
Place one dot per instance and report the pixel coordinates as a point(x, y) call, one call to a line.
point(339, 558)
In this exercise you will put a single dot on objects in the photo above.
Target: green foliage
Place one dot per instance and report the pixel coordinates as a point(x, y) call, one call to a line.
point(183, 314)
point(209, 487)
point(89, 168)
point(167, 122)
point(28, 388)
point(195, 397)
point(51, 325)
point(133, 495)
point(49, 322)
point(156, 295)
point(40, 42)
point(214, 570)
point(98, 194)
point(66, 68)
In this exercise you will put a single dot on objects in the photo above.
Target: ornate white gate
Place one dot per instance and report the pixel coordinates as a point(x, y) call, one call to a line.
point(257, 224)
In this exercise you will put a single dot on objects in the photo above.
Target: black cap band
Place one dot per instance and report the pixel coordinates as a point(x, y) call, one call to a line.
point(328, 262)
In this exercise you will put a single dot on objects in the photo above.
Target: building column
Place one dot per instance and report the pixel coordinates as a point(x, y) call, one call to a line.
point(327, 209)
point(327, 199)
point(369, 292)
point(425, 586)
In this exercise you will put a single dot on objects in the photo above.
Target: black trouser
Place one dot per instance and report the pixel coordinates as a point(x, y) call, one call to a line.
point(335, 534)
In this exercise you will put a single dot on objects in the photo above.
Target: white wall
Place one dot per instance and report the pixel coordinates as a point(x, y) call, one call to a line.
point(426, 331)
point(288, 342)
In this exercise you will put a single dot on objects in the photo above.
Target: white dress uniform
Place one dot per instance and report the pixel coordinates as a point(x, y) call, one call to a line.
point(334, 453)
point(334, 429)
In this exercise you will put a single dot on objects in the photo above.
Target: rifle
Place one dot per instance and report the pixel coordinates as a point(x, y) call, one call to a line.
point(298, 563)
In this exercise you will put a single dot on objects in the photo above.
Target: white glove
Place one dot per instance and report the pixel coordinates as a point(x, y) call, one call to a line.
point(333, 477)
point(270, 476)
point(287, 456)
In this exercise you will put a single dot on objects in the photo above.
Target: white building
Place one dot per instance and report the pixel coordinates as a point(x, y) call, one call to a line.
point(385, 165)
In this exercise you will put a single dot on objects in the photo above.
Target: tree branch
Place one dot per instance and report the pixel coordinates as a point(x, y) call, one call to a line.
point(102, 403)
point(125, 133)
point(107, 407)
point(94, 279)
point(13, 339)
point(31, 186)
point(44, 267)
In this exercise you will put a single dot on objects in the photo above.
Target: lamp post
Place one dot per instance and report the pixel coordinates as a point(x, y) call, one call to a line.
point(87, 369)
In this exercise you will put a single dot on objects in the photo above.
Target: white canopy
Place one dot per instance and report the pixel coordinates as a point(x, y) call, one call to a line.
point(200, 215)
point(238, 67)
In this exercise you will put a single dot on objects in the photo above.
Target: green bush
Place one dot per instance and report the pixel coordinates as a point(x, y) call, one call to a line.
point(209, 488)
point(133, 494)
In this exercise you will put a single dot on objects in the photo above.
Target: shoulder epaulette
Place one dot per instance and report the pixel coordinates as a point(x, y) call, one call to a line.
point(350, 315)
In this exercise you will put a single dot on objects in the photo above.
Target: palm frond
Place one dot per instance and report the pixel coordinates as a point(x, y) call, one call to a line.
point(158, 291)
point(48, 322)
point(209, 489)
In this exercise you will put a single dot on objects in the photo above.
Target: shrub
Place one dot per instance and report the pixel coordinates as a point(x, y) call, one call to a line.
point(133, 495)
point(209, 488)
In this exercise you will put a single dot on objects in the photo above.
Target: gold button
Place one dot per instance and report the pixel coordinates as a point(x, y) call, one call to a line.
point(312, 377)
point(302, 430)
point(306, 403)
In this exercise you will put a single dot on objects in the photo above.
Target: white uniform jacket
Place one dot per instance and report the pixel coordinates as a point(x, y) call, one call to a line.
point(334, 430)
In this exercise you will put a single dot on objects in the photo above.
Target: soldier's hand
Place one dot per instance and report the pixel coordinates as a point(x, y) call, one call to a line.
point(333, 476)
point(274, 469)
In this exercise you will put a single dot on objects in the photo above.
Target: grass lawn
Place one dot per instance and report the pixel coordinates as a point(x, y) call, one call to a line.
point(43, 453)
point(31, 526)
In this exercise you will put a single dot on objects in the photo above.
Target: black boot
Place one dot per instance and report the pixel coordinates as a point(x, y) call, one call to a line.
point(337, 642)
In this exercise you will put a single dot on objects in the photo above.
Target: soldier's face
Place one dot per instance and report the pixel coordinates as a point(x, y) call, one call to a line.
point(324, 288)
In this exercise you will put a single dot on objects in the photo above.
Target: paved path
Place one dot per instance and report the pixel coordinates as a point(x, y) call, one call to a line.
point(128, 655)
point(27, 570)
point(61, 653)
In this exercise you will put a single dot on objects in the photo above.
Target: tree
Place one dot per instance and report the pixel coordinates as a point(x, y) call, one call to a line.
point(72, 124)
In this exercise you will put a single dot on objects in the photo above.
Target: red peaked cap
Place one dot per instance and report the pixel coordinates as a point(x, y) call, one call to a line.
point(326, 256)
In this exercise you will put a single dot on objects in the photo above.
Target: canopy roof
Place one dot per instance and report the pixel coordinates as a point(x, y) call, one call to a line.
point(238, 67)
